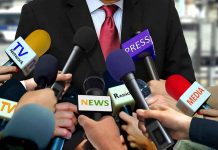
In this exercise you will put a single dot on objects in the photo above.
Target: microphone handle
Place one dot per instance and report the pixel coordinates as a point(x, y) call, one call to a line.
point(149, 63)
point(206, 106)
point(127, 109)
point(156, 131)
point(73, 58)
point(9, 63)
point(58, 143)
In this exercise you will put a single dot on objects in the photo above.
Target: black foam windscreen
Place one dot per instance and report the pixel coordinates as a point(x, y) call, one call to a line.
point(93, 82)
point(85, 38)
point(46, 69)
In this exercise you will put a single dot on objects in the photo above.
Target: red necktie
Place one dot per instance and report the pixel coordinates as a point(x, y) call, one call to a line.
point(109, 38)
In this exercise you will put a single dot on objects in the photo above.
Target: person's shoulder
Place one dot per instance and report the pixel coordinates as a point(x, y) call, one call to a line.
point(155, 2)
point(43, 3)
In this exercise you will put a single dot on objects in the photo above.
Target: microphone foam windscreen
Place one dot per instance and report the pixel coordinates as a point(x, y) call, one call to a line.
point(93, 81)
point(176, 85)
point(86, 38)
point(47, 69)
point(32, 122)
point(119, 63)
point(12, 90)
point(39, 41)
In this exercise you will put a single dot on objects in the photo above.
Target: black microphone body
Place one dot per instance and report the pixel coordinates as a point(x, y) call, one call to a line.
point(156, 131)
point(150, 66)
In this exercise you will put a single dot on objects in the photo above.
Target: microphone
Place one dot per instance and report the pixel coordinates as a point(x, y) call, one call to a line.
point(123, 69)
point(190, 97)
point(25, 53)
point(94, 101)
point(141, 47)
point(122, 101)
point(146, 91)
point(84, 40)
point(45, 72)
point(25, 132)
point(10, 93)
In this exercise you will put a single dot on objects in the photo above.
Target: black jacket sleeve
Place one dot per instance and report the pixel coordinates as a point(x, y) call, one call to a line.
point(12, 90)
point(204, 131)
point(177, 58)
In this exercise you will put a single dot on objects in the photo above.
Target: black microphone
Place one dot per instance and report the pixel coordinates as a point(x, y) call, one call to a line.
point(146, 91)
point(84, 41)
point(24, 132)
point(149, 63)
point(123, 69)
point(45, 72)
point(94, 85)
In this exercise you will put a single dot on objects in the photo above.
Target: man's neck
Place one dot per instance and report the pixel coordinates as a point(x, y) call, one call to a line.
point(109, 1)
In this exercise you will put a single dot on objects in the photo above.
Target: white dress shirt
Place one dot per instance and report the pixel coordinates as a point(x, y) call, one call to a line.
point(98, 15)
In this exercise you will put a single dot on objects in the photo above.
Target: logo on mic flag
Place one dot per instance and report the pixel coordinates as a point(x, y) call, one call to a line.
point(193, 99)
point(138, 44)
point(7, 108)
point(23, 56)
point(94, 103)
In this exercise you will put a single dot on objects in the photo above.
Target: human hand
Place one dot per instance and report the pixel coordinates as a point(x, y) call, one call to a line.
point(44, 97)
point(177, 123)
point(211, 114)
point(65, 120)
point(103, 134)
point(164, 100)
point(66, 78)
point(157, 87)
point(135, 136)
point(6, 72)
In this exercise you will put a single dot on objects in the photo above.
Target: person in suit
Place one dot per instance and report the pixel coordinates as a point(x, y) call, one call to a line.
point(62, 18)
point(113, 26)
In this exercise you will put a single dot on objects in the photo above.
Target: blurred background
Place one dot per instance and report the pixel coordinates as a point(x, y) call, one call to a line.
point(198, 17)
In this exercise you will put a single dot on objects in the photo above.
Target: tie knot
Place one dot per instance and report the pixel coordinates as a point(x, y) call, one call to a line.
point(109, 10)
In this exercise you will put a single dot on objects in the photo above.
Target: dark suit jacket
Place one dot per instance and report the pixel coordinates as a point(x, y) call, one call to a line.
point(204, 131)
point(62, 18)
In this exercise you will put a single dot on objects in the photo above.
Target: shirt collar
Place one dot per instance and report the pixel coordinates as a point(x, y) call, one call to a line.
point(93, 5)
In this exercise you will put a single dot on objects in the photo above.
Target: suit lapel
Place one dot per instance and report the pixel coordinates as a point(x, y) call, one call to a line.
point(80, 16)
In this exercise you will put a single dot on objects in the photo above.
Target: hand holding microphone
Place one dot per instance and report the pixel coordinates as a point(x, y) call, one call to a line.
point(44, 98)
point(103, 134)
point(177, 123)
point(123, 70)
point(65, 120)
point(135, 136)
point(6, 72)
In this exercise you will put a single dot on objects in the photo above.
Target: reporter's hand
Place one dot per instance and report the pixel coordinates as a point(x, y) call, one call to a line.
point(211, 114)
point(157, 87)
point(67, 78)
point(103, 134)
point(135, 136)
point(45, 98)
point(164, 100)
point(177, 123)
point(6, 72)
point(65, 120)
